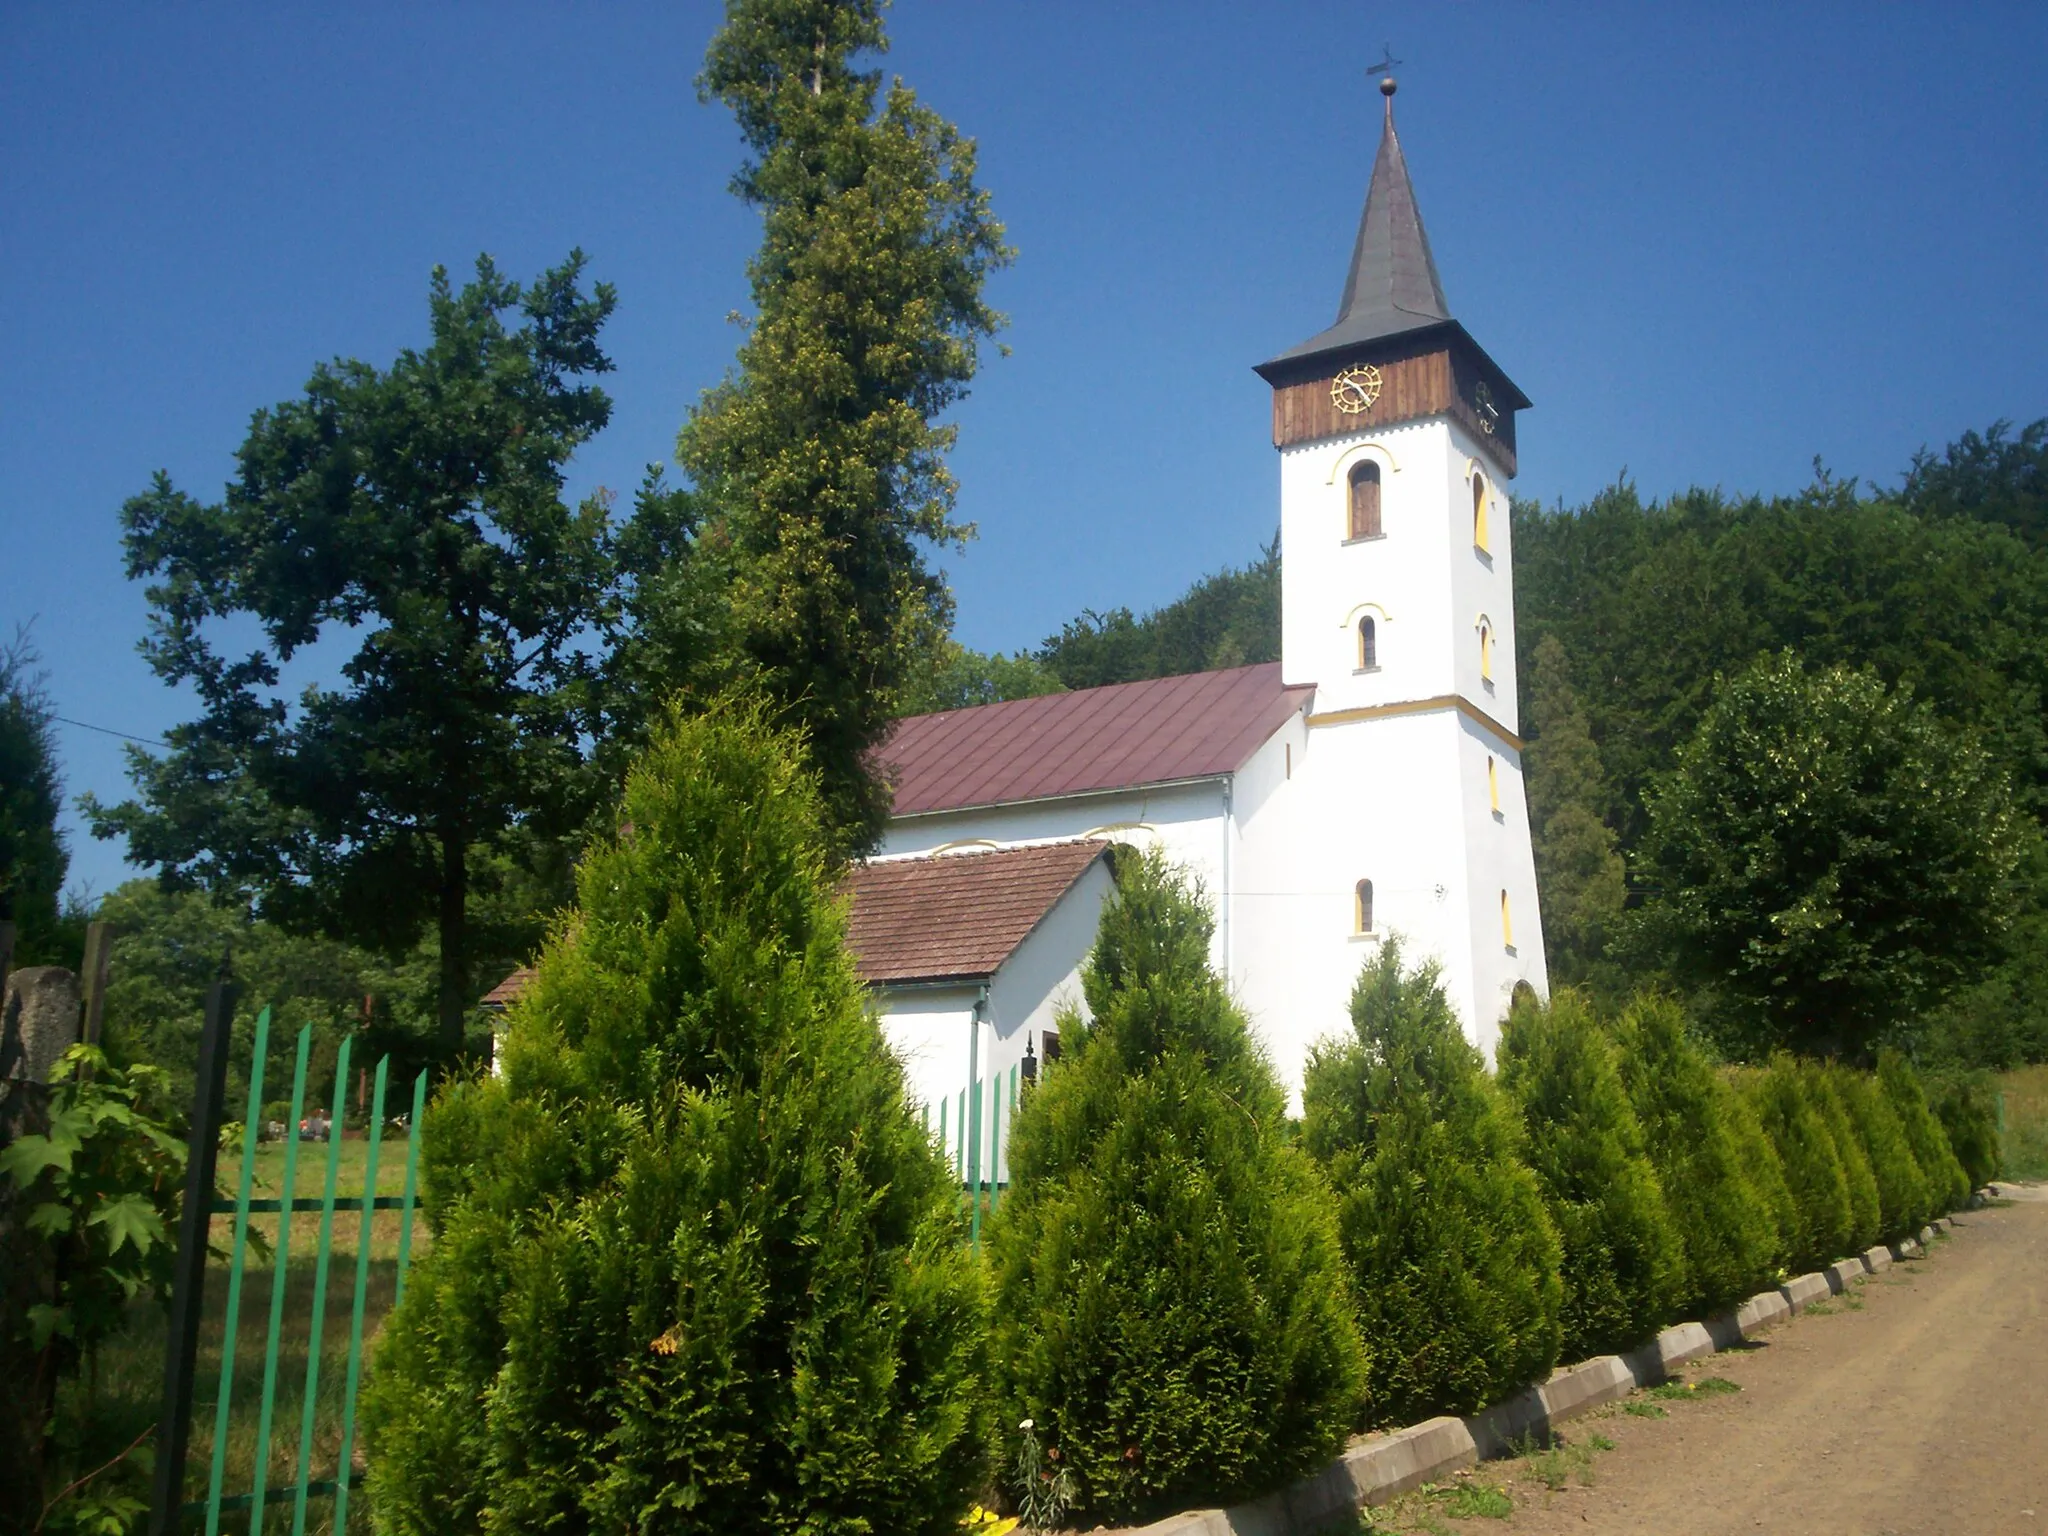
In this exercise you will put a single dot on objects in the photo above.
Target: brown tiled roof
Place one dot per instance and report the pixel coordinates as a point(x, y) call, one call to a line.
point(957, 916)
point(1198, 726)
point(507, 992)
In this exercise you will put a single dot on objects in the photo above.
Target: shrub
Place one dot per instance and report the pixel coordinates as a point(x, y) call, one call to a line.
point(1821, 1218)
point(1453, 1259)
point(1902, 1195)
point(1966, 1104)
point(1823, 1083)
point(696, 1267)
point(1722, 1208)
point(1761, 1161)
point(1171, 1305)
point(1624, 1265)
point(1948, 1186)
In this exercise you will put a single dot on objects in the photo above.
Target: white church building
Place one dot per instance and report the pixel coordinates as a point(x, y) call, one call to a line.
point(1367, 783)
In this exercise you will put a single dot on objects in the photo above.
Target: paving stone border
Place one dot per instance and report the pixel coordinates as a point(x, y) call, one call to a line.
point(1379, 1467)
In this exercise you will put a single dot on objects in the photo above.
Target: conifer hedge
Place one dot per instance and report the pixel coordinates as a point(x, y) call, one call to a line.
point(1824, 1082)
point(1624, 1264)
point(1966, 1104)
point(1713, 1164)
point(1171, 1304)
point(696, 1269)
point(1453, 1258)
point(1903, 1196)
point(1822, 1219)
point(1948, 1185)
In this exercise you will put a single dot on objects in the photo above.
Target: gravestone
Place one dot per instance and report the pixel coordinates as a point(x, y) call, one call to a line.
point(38, 1023)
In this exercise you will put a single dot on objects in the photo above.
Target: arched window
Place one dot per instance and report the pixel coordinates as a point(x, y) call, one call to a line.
point(1507, 922)
point(1368, 644)
point(1365, 501)
point(1493, 786)
point(1479, 539)
point(1361, 907)
point(1523, 996)
point(1486, 650)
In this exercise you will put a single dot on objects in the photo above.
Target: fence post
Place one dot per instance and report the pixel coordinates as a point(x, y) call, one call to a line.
point(174, 1425)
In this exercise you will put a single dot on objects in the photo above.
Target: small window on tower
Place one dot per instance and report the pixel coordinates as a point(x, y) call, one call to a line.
point(1486, 650)
point(1507, 922)
point(1365, 501)
point(1361, 907)
point(1479, 539)
point(1493, 786)
point(1368, 645)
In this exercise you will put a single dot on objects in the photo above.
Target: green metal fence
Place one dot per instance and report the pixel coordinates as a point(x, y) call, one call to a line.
point(310, 1482)
point(973, 1131)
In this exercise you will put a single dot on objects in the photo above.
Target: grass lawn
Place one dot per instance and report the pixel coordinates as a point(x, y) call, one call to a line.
point(126, 1397)
point(2025, 1092)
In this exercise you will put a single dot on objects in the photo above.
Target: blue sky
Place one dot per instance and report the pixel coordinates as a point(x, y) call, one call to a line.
point(1710, 242)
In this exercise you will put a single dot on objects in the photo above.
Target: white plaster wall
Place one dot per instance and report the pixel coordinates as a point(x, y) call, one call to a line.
point(1044, 974)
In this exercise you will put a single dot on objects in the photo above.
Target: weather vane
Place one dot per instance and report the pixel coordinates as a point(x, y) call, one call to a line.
point(1387, 64)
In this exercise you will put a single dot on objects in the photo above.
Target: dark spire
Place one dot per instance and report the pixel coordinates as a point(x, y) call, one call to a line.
point(1392, 286)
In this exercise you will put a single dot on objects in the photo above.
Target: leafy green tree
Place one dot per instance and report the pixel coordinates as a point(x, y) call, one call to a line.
point(1948, 1186)
point(1833, 858)
point(1990, 477)
point(819, 465)
point(415, 512)
point(1904, 1197)
point(953, 677)
point(1454, 1262)
point(1578, 869)
point(1231, 619)
point(33, 860)
point(1171, 1307)
point(1624, 1262)
point(1718, 1198)
point(1824, 1086)
point(696, 1267)
point(1823, 1223)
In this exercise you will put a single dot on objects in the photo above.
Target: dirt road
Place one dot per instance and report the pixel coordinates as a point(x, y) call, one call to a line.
point(1918, 1403)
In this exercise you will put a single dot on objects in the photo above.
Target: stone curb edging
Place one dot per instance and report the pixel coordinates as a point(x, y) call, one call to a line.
point(1384, 1466)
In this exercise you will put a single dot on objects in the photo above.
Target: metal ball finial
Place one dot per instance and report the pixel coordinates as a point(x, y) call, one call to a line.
point(1388, 87)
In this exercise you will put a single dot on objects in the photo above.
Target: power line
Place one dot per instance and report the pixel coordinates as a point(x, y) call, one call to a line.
point(86, 725)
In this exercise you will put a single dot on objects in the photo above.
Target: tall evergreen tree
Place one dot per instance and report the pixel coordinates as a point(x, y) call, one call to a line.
point(696, 1268)
point(416, 513)
point(1578, 870)
point(1718, 1198)
point(1904, 1197)
point(1171, 1305)
point(819, 465)
point(1624, 1263)
point(1454, 1262)
point(33, 859)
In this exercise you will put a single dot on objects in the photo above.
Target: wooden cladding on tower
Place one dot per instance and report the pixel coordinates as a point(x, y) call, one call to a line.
point(1428, 384)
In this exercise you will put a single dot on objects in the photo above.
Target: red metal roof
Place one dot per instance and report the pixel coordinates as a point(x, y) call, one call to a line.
point(957, 916)
point(1197, 726)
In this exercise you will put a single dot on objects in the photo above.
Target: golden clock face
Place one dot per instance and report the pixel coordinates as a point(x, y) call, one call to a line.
point(1483, 406)
point(1354, 390)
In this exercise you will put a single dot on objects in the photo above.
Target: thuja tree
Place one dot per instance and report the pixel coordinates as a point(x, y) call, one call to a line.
point(1171, 1307)
point(1624, 1266)
point(1689, 1115)
point(1821, 1218)
point(1760, 1159)
point(696, 1269)
point(1824, 1088)
point(819, 465)
point(1904, 1199)
point(1966, 1104)
point(1948, 1186)
point(1454, 1261)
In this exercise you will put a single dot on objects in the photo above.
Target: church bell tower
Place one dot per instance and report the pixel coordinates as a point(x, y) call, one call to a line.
point(1396, 435)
